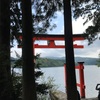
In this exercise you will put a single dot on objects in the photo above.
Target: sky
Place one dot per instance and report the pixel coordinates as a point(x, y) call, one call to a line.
point(78, 28)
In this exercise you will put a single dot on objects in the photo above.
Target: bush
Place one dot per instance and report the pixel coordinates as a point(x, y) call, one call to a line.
point(42, 87)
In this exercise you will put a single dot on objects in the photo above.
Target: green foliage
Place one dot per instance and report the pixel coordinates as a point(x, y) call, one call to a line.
point(89, 10)
point(50, 62)
point(43, 11)
point(17, 85)
point(5, 76)
point(47, 62)
point(42, 89)
point(50, 82)
point(15, 20)
point(52, 87)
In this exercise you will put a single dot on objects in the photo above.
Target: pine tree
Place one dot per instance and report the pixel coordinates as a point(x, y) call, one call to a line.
point(5, 73)
point(42, 89)
point(90, 11)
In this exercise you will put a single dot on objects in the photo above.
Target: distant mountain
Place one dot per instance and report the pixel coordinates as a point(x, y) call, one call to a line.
point(86, 60)
point(50, 62)
point(49, 57)
point(13, 59)
point(59, 61)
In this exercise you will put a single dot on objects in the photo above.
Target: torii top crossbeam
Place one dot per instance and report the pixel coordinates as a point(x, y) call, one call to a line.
point(52, 38)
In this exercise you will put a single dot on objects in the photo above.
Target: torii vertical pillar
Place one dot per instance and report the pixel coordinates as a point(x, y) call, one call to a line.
point(71, 77)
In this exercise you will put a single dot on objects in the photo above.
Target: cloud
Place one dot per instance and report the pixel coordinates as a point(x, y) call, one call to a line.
point(59, 13)
point(88, 51)
point(50, 52)
point(18, 50)
point(78, 26)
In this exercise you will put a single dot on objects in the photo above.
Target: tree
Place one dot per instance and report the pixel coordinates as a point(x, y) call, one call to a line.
point(42, 21)
point(90, 11)
point(69, 53)
point(43, 11)
point(41, 24)
point(42, 88)
point(5, 73)
point(15, 20)
point(28, 75)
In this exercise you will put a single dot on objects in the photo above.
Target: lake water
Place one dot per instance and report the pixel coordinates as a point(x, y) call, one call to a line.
point(91, 76)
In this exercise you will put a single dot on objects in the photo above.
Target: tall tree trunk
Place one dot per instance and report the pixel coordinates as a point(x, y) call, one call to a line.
point(29, 90)
point(5, 73)
point(71, 77)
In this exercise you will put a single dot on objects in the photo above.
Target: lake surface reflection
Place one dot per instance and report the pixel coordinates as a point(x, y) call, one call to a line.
point(91, 75)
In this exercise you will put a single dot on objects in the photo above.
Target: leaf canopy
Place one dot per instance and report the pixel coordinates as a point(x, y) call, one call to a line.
point(90, 11)
point(43, 11)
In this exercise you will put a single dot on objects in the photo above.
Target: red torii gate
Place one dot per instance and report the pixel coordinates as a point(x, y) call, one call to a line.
point(51, 44)
point(52, 38)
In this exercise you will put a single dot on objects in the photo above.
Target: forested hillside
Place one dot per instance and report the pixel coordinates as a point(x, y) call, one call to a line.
point(51, 62)
point(47, 62)
point(86, 60)
point(56, 62)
